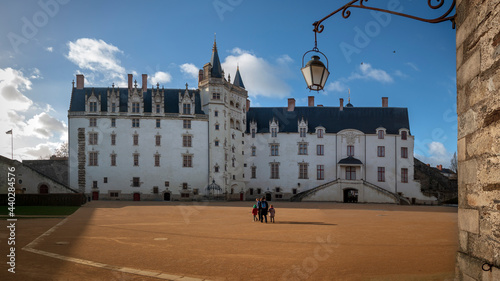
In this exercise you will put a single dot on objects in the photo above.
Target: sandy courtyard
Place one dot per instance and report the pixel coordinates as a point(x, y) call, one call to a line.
point(219, 241)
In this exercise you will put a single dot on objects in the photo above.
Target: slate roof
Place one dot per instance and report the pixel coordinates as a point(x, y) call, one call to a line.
point(350, 161)
point(215, 62)
point(171, 99)
point(237, 79)
point(364, 119)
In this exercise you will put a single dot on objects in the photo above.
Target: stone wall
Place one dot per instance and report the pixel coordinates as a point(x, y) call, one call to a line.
point(478, 109)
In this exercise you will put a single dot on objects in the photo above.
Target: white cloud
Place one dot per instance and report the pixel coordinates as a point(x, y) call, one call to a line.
point(49, 49)
point(190, 69)
point(161, 77)
point(336, 86)
point(97, 56)
point(436, 154)
point(31, 123)
point(260, 77)
point(412, 65)
point(399, 73)
point(370, 73)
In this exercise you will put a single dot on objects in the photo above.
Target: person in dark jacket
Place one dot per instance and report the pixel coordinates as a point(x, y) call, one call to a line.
point(259, 210)
point(264, 207)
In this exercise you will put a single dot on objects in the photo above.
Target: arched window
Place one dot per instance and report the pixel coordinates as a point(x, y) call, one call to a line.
point(237, 125)
point(231, 124)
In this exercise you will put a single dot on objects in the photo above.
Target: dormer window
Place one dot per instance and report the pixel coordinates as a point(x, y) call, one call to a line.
point(253, 133)
point(380, 134)
point(113, 107)
point(158, 108)
point(302, 124)
point(404, 135)
point(274, 132)
point(319, 133)
point(302, 132)
point(93, 106)
point(135, 107)
point(186, 108)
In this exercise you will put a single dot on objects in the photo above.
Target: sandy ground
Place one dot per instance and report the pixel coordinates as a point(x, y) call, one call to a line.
point(219, 241)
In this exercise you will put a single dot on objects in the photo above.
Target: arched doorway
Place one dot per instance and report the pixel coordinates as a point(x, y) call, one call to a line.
point(137, 196)
point(44, 189)
point(350, 195)
point(268, 196)
point(166, 196)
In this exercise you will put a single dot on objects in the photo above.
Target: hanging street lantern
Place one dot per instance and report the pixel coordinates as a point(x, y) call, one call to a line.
point(315, 72)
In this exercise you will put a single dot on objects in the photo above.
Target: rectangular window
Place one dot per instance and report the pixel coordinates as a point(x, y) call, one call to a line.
point(294, 191)
point(320, 172)
point(216, 113)
point(113, 159)
point(254, 172)
point(350, 173)
point(216, 143)
point(136, 159)
point(93, 158)
point(105, 180)
point(259, 191)
point(113, 107)
point(184, 185)
point(320, 149)
point(302, 148)
point(184, 195)
point(186, 141)
point(136, 182)
point(350, 150)
point(275, 171)
point(250, 191)
point(302, 132)
point(380, 134)
point(157, 140)
point(94, 184)
point(195, 191)
point(216, 96)
point(135, 123)
point(381, 174)
point(303, 171)
point(404, 135)
point(275, 150)
point(93, 106)
point(155, 189)
point(113, 122)
point(404, 152)
point(320, 133)
point(186, 124)
point(274, 132)
point(158, 108)
point(113, 194)
point(92, 138)
point(381, 151)
point(253, 133)
point(216, 169)
point(157, 160)
point(113, 139)
point(186, 108)
point(136, 140)
point(167, 184)
point(254, 150)
point(135, 107)
point(92, 122)
point(404, 175)
point(217, 127)
point(187, 161)
point(158, 123)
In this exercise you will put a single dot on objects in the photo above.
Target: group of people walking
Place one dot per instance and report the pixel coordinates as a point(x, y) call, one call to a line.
point(261, 208)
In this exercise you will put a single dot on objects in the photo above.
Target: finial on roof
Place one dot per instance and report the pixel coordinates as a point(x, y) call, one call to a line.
point(229, 78)
point(135, 83)
point(186, 86)
point(73, 83)
point(215, 41)
point(157, 85)
point(349, 97)
point(113, 85)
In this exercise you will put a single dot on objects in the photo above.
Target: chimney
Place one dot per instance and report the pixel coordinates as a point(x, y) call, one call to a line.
point(200, 75)
point(130, 77)
point(341, 104)
point(440, 167)
point(310, 101)
point(385, 102)
point(428, 165)
point(144, 83)
point(320, 105)
point(248, 105)
point(291, 104)
point(80, 79)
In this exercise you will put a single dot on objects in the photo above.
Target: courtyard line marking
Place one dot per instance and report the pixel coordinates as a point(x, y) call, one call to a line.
point(159, 275)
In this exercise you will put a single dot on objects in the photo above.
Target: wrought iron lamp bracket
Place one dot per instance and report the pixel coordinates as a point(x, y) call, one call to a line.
point(318, 27)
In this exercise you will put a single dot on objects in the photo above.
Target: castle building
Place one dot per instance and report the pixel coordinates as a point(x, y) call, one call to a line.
point(140, 143)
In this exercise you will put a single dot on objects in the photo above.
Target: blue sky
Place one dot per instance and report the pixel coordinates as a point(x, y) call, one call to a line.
point(43, 44)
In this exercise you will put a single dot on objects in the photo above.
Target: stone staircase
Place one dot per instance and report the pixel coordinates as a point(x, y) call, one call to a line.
point(299, 196)
point(401, 200)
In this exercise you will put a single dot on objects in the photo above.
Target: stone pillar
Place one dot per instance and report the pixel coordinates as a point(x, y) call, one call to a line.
point(478, 109)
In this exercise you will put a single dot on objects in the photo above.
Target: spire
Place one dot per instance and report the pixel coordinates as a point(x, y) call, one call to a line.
point(237, 79)
point(215, 62)
point(349, 104)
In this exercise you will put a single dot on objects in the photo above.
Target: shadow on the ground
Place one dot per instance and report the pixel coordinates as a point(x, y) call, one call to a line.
point(304, 222)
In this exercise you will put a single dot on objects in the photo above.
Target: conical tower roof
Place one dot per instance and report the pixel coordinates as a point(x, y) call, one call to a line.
point(237, 79)
point(215, 62)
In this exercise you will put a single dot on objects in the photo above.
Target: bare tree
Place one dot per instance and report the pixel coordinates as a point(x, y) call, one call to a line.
point(454, 163)
point(62, 151)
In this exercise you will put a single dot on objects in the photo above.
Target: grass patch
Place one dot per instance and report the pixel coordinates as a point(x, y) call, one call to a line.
point(40, 210)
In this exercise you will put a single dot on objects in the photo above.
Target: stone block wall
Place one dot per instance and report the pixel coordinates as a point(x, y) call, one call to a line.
point(478, 109)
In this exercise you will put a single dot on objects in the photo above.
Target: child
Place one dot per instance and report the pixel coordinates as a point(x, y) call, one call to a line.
point(272, 211)
point(254, 212)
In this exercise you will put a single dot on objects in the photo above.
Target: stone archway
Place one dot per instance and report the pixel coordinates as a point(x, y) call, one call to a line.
point(350, 195)
point(43, 189)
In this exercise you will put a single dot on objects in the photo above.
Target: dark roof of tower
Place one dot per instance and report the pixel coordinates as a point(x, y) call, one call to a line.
point(237, 79)
point(334, 120)
point(171, 99)
point(215, 62)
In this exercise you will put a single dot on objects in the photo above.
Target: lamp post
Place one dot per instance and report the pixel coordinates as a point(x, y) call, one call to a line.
point(315, 73)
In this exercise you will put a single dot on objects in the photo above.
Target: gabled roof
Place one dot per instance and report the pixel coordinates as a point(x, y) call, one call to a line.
point(171, 99)
point(237, 79)
point(350, 161)
point(215, 62)
point(334, 120)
